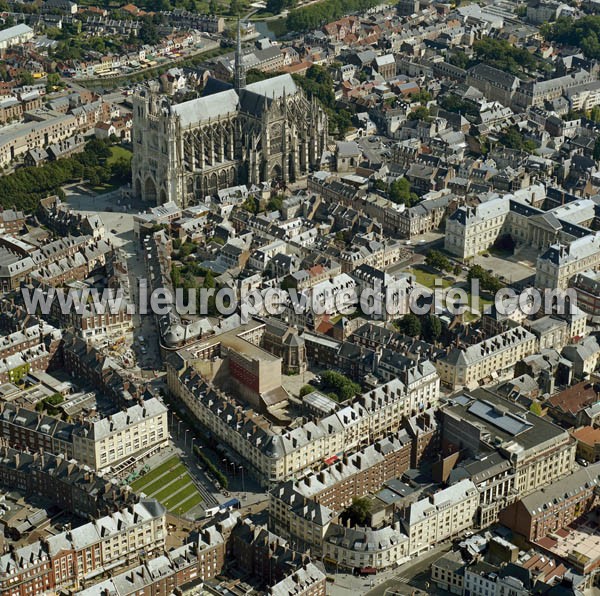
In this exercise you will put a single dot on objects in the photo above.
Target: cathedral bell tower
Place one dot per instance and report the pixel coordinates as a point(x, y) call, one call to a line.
point(240, 72)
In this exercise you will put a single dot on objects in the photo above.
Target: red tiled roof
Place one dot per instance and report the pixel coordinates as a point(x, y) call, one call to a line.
point(547, 542)
point(325, 328)
point(588, 435)
point(574, 399)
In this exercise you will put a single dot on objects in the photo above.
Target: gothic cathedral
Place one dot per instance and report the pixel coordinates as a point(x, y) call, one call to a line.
point(243, 134)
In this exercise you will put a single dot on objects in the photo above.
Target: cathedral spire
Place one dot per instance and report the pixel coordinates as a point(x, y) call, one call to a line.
point(240, 73)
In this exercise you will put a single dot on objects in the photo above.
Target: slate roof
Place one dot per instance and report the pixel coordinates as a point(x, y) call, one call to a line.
point(204, 108)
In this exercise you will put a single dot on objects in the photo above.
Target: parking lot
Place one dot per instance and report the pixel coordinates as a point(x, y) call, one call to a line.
point(510, 269)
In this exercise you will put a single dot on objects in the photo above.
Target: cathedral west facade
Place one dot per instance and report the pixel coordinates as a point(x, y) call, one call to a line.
point(243, 134)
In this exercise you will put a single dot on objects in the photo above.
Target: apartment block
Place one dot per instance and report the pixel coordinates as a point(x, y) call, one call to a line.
point(179, 569)
point(97, 443)
point(448, 572)
point(16, 35)
point(539, 452)
point(536, 93)
point(24, 429)
point(30, 135)
point(308, 580)
point(588, 443)
point(555, 506)
point(561, 262)
point(67, 558)
point(69, 485)
point(489, 359)
point(306, 510)
point(277, 456)
point(365, 549)
point(584, 97)
point(587, 286)
point(441, 516)
point(104, 442)
point(12, 221)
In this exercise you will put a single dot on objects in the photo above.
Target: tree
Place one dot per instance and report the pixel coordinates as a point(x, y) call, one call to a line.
point(437, 260)
point(535, 408)
point(99, 148)
point(306, 389)
point(337, 384)
point(52, 80)
point(121, 169)
point(597, 149)
point(584, 33)
point(401, 194)
point(277, 6)
point(275, 203)
point(234, 7)
point(457, 269)
point(459, 58)
point(343, 121)
point(213, 7)
point(360, 510)
point(454, 103)
point(26, 78)
point(432, 327)
point(507, 57)
point(410, 325)
point(251, 205)
point(423, 96)
point(26, 186)
point(487, 281)
point(513, 139)
point(209, 280)
point(93, 177)
point(254, 76)
point(315, 15)
point(149, 33)
point(420, 113)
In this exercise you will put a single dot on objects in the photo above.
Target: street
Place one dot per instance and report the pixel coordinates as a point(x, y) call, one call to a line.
point(404, 579)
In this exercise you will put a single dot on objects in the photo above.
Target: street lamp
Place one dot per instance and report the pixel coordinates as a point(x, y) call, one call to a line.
point(187, 430)
point(243, 485)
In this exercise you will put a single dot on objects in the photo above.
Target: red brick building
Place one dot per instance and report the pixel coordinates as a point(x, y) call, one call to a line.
point(359, 474)
point(555, 506)
point(66, 558)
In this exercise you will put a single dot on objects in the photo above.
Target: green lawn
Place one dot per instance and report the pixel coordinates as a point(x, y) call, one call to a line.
point(158, 484)
point(164, 495)
point(152, 475)
point(428, 279)
point(483, 302)
point(181, 496)
point(170, 484)
point(188, 504)
point(102, 189)
point(116, 153)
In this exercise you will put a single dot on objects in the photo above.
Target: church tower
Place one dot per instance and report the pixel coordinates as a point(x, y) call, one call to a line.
point(240, 73)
